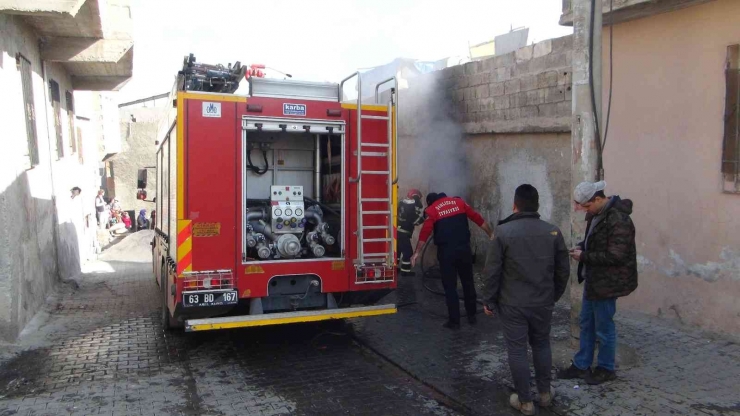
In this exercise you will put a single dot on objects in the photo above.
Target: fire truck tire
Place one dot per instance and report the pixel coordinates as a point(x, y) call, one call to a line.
point(168, 321)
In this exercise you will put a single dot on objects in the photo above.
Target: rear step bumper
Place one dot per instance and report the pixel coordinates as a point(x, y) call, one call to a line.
point(207, 324)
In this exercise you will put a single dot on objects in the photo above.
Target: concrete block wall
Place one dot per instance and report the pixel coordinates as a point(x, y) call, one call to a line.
point(524, 91)
point(481, 129)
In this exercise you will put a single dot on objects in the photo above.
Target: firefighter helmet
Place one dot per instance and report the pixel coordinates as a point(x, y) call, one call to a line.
point(413, 193)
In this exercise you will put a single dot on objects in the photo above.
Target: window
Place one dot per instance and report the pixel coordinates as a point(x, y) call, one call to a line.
point(731, 142)
point(80, 150)
point(24, 65)
point(56, 104)
point(71, 120)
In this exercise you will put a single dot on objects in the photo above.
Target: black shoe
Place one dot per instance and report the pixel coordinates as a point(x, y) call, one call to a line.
point(600, 375)
point(408, 274)
point(451, 325)
point(472, 319)
point(573, 372)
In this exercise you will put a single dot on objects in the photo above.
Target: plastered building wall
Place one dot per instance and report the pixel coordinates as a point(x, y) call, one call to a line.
point(664, 151)
point(44, 235)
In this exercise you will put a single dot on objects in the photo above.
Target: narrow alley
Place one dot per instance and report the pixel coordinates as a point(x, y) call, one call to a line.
point(98, 348)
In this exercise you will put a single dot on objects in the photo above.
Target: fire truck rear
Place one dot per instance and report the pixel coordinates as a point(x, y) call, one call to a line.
point(275, 207)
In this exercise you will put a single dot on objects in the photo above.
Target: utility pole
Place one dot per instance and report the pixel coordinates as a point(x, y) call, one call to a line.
point(584, 155)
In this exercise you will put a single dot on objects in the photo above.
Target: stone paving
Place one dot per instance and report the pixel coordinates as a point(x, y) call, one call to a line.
point(99, 349)
point(662, 369)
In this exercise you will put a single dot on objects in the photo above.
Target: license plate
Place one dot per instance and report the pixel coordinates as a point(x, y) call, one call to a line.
point(210, 298)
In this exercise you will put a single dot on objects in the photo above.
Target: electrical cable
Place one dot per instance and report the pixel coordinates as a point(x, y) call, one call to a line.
point(599, 144)
point(597, 132)
point(255, 169)
point(307, 289)
point(611, 72)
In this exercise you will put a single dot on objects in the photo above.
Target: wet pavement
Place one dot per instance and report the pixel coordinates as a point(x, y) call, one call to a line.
point(98, 348)
point(663, 369)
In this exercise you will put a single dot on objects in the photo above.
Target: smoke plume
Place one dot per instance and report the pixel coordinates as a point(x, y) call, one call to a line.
point(433, 155)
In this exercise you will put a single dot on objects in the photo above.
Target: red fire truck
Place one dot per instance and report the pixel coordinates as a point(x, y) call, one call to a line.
point(274, 207)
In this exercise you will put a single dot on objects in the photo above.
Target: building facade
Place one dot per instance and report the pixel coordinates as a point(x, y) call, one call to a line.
point(672, 148)
point(49, 51)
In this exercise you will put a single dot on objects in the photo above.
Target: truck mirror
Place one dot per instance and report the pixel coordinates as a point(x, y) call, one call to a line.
point(141, 179)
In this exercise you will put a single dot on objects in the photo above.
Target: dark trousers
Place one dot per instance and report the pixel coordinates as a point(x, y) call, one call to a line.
point(454, 262)
point(533, 324)
point(405, 250)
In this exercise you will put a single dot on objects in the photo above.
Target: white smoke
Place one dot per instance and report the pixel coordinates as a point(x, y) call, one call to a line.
point(434, 158)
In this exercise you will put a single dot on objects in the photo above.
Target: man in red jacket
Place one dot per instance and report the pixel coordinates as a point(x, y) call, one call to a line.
point(448, 218)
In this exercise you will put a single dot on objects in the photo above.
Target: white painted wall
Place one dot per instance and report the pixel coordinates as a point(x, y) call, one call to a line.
point(43, 232)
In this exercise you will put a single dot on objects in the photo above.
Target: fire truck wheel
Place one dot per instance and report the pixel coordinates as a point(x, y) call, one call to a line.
point(168, 321)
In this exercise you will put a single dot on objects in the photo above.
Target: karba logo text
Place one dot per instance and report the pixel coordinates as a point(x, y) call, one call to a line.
point(294, 109)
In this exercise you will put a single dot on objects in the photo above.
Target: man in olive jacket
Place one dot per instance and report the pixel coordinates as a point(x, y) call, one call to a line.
point(528, 269)
point(607, 262)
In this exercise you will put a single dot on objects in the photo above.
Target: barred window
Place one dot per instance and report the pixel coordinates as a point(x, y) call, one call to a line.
point(56, 104)
point(24, 65)
point(71, 120)
point(731, 142)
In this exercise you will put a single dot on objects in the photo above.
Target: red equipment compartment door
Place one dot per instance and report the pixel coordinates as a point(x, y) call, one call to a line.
point(210, 182)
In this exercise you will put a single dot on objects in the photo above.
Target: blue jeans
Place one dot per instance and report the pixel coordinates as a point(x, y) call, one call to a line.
point(597, 321)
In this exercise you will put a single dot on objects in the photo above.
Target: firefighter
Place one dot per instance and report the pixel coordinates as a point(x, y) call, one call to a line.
point(448, 219)
point(410, 214)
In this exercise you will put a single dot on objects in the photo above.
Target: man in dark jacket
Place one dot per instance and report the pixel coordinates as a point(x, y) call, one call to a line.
point(608, 264)
point(448, 218)
point(528, 269)
point(410, 214)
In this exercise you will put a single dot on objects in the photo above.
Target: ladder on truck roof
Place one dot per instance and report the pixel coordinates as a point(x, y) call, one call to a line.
point(369, 260)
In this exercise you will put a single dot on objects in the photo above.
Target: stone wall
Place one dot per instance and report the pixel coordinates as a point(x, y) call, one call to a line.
point(524, 91)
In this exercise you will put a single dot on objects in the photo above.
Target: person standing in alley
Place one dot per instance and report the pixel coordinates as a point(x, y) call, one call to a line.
point(607, 262)
point(410, 215)
point(100, 209)
point(527, 268)
point(448, 219)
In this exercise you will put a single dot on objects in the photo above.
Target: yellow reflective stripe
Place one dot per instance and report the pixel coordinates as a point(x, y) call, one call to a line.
point(229, 98)
point(291, 320)
point(184, 248)
point(365, 107)
point(182, 224)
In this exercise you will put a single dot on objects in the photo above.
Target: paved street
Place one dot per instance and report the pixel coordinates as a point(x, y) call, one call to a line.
point(663, 370)
point(98, 348)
